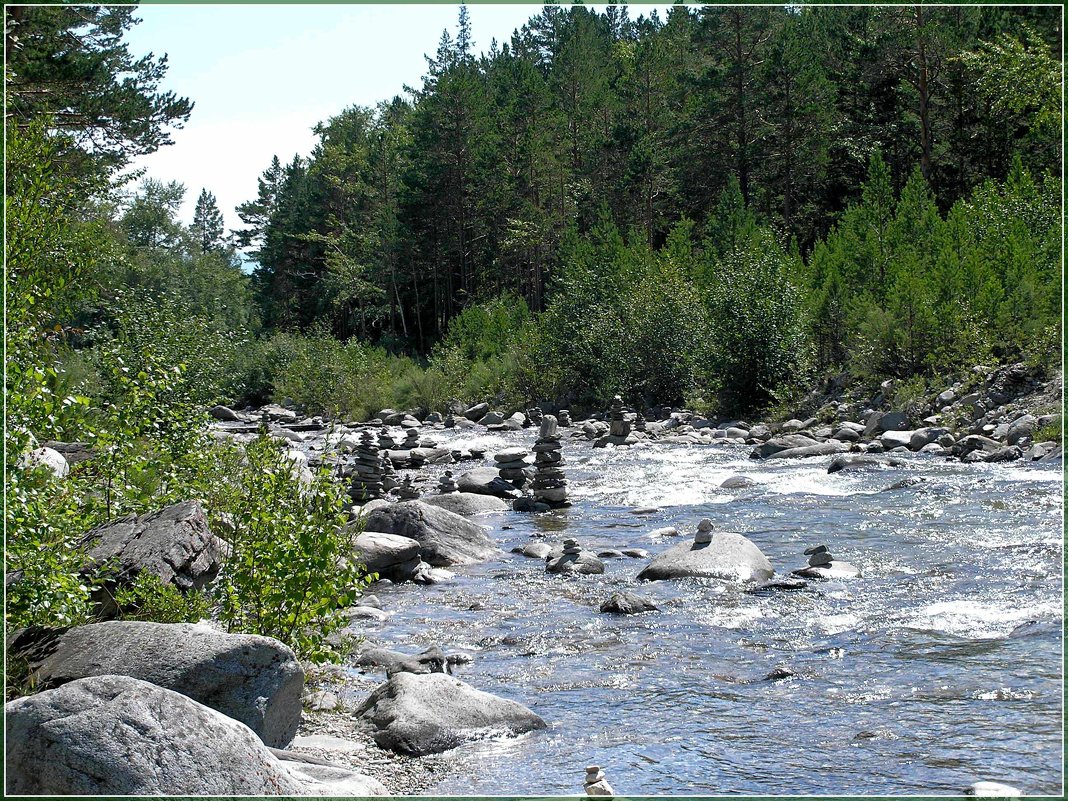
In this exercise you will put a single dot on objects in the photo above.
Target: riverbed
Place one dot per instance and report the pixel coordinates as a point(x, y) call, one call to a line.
point(907, 681)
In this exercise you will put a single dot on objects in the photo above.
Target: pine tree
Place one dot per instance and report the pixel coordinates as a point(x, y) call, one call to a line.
point(208, 227)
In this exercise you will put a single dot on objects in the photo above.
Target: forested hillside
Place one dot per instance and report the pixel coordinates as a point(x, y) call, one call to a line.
point(725, 202)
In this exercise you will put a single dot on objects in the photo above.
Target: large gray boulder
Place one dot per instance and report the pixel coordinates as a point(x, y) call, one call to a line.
point(787, 442)
point(256, 680)
point(840, 463)
point(47, 459)
point(1021, 427)
point(173, 544)
point(922, 437)
point(583, 563)
point(817, 449)
point(444, 538)
point(466, 503)
point(486, 481)
point(627, 603)
point(389, 555)
point(116, 735)
point(427, 714)
point(728, 556)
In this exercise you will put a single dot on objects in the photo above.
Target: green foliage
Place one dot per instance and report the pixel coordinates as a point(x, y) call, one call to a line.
point(289, 572)
point(148, 598)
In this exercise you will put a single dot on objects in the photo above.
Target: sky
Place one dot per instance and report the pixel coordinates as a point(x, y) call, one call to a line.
point(262, 76)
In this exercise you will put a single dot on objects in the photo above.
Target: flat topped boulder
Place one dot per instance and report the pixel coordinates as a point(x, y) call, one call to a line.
point(772, 446)
point(840, 463)
point(427, 714)
point(116, 735)
point(467, 503)
point(256, 680)
point(816, 449)
point(728, 556)
point(486, 481)
point(627, 603)
point(389, 555)
point(445, 538)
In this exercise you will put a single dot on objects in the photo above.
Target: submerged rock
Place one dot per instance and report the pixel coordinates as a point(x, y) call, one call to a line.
point(427, 714)
point(626, 603)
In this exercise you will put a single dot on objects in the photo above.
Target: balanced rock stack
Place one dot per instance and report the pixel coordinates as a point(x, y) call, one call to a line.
point(639, 422)
point(450, 421)
point(596, 784)
point(574, 560)
point(550, 486)
point(411, 439)
point(386, 441)
point(367, 471)
point(819, 556)
point(534, 415)
point(564, 418)
point(447, 484)
point(512, 464)
point(619, 426)
point(390, 479)
point(407, 490)
point(704, 532)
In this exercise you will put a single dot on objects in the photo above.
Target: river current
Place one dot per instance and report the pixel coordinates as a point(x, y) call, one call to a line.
point(906, 679)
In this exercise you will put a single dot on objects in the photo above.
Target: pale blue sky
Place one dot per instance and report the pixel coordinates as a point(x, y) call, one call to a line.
point(262, 76)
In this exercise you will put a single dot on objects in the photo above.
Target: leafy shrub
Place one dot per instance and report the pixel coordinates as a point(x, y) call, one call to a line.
point(148, 598)
point(289, 572)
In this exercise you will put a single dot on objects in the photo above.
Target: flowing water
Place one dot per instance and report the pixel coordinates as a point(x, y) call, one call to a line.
point(907, 682)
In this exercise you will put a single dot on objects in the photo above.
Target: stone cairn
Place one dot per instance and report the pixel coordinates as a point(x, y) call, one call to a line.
point(704, 532)
point(564, 418)
point(407, 490)
point(572, 547)
point(534, 415)
point(447, 484)
point(367, 471)
point(411, 439)
point(819, 556)
point(450, 421)
point(386, 441)
point(596, 784)
point(512, 465)
point(619, 426)
point(390, 479)
point(639, 422)
point(550, 486)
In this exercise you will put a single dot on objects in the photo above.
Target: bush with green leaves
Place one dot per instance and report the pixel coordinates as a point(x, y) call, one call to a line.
point(290, 571)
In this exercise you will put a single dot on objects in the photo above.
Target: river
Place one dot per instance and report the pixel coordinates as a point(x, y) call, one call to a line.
point(907, 682)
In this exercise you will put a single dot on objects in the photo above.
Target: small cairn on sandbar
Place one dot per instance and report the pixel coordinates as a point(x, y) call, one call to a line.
point(407, 490)
point(549, 486)
point(596, 784)
point(367, 471)
point(447, 484)
point(512, 464)
point(704, 532)
point(564, 418)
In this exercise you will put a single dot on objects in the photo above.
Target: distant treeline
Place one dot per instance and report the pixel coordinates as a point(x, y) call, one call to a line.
point(408, 213)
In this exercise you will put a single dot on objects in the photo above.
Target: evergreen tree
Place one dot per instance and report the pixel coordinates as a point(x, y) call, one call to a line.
point(208, 227)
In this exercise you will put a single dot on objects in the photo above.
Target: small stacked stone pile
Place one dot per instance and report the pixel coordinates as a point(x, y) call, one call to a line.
point(407, 490)
point(447, 484)
point(386, 441)
point(619, 426)
point(550, 486)
point(819, 556)
point(390, 479)
point(534, 415)
point(450, 421)
point(411, 442)
point(367, 470)
point(704, 532)
point(511, 462)
point(639, 422)
point(564, 418)
point(572, 547)
point(596, 784)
